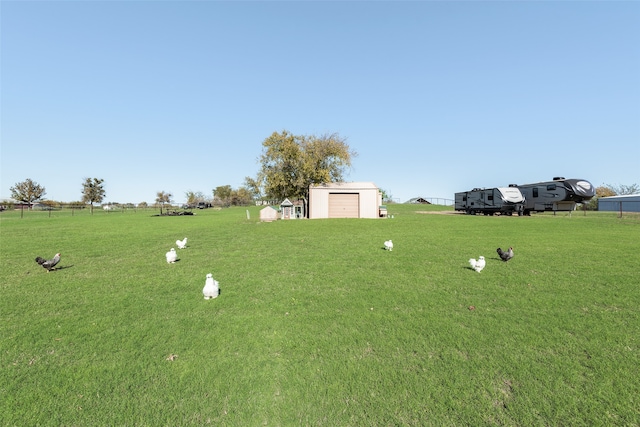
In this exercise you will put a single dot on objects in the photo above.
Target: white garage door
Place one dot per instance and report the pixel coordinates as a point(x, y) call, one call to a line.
point(344, 205)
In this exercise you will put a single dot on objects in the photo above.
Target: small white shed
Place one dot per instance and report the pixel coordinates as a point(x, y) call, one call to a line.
point(268, 213)
point(344, 200)
point(291, 210)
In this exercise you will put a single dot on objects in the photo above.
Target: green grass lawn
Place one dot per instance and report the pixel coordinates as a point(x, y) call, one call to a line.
point(316, 324)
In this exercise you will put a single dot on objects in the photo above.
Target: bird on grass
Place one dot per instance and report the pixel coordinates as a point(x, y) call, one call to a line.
point(49, 264)
point(182, 243)
point(388, 245)
point(505, 256)
point(211, 288)
point(172, 256)
point(478, 264)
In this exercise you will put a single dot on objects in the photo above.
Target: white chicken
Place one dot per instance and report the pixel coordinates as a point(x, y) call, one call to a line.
point(211, 288)
point(181, 243)
point(388, 245)
point(172, 256)
point(478, 264)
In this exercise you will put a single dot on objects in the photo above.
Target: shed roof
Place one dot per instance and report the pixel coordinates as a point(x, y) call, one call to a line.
point(624, 196)
point(347, 185)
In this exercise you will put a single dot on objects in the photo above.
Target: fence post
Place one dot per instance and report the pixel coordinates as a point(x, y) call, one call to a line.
point(620, 209)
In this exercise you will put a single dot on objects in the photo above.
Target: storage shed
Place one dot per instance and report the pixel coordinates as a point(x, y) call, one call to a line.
point(344, 200)
point(627, 203)
point(268, 213)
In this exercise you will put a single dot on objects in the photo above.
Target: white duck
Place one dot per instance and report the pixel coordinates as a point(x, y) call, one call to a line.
point(181, 243)
point(388, 245)
point(211, 288)
point(172, 256)
point(478, 264)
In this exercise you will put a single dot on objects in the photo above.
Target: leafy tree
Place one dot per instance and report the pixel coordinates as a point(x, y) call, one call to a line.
point(194, 197)
point(290, 163)
point(253, 187)
point(241, 197)
point(162, 198)
point(602, 191)
point(27, 191)
point(76, 205)
point(223, 194)
point(191, 198)
point(143, 205)
point(609, 190)
point(93, 191)
point(386, 196)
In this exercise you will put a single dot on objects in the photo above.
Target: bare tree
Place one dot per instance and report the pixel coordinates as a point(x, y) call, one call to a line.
point(163, 197)
point(623, 190)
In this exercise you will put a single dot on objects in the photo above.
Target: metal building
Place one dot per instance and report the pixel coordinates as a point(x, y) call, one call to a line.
point(627, 203)
point(344, 200)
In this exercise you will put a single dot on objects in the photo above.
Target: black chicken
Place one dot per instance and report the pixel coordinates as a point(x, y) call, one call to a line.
point(505, 256)
point(48, 263)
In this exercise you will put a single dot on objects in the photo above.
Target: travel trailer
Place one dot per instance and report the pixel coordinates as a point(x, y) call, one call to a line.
point(560, 194)
point(490, 201)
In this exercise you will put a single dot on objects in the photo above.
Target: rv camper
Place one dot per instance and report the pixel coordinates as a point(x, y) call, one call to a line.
point(490, 201)
point(558, 195)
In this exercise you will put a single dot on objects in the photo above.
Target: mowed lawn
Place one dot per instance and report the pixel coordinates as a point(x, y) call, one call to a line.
point(316, 323)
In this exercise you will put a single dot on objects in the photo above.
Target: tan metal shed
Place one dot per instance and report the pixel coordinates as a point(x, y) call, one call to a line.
point(344, 200)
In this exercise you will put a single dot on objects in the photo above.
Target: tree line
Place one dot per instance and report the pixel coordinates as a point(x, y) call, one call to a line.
point(30, 192)
point(289, 164)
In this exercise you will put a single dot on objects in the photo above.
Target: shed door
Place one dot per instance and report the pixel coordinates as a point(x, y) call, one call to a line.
point(344, 205)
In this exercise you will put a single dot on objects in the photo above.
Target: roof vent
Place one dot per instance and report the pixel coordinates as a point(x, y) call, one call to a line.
point(558, 178)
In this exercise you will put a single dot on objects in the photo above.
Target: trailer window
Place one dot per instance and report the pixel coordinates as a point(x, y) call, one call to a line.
point(551, 187)
point(490, 197)
point(535, 192)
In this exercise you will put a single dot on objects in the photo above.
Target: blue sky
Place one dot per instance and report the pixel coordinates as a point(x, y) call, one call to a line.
point(436, 97)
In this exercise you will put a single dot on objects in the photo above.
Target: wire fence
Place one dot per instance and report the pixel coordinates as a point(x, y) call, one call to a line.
point(429, 201)
point(81, 210)
point(622, 207)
